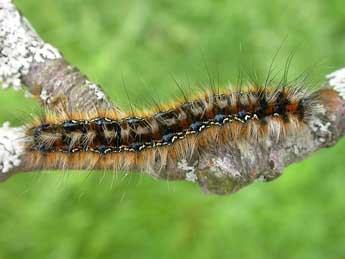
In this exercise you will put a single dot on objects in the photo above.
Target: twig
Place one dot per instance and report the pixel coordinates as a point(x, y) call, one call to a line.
point(26, 59)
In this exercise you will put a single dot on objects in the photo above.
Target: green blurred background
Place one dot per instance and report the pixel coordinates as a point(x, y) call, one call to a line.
point(141, 46)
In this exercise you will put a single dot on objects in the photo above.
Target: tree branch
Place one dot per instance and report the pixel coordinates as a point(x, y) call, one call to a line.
point(26, 59)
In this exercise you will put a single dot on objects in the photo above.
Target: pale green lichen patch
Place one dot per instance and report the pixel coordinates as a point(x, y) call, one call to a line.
point(337, 81)
point(188, 169)
point(11, 147)
point(19, 46)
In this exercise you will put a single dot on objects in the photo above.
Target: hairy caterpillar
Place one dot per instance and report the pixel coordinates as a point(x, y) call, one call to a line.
point(154, 141)
point(223, 140)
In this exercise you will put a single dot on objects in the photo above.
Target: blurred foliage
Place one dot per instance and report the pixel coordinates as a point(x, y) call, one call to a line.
point(142, 46)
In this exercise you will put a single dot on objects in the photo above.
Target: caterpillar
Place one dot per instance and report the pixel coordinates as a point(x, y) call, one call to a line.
point(155, 140)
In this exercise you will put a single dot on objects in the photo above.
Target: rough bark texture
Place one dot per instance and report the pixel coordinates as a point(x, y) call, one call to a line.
point(57, 83)
point(26, 59)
